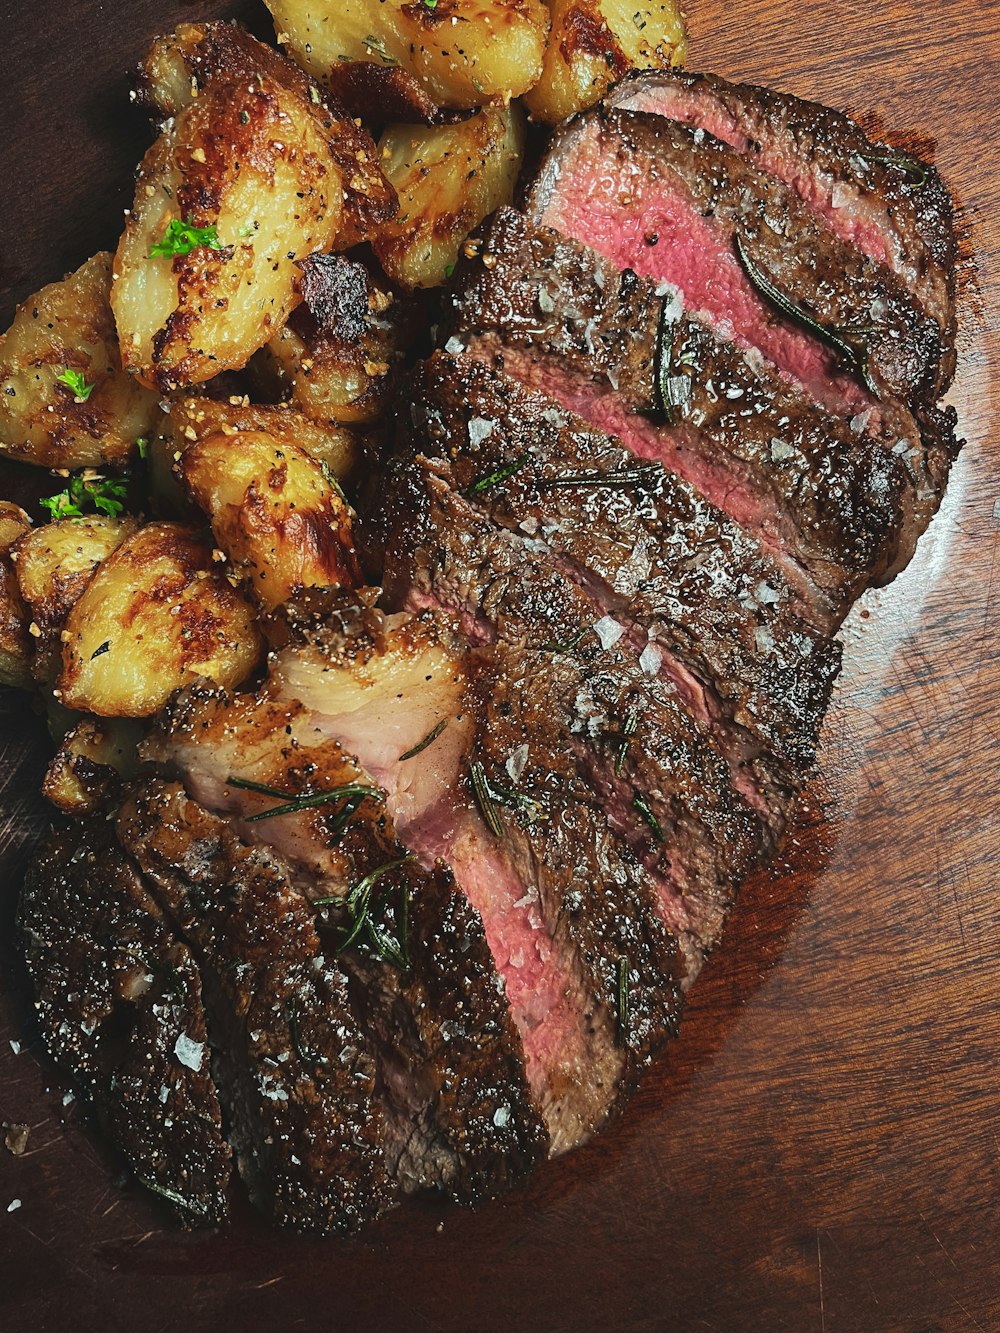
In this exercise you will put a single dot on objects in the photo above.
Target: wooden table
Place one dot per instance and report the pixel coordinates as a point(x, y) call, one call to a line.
point(820, 1149)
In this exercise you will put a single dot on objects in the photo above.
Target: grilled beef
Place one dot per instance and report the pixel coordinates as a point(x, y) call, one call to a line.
point(118, 998)
point(290, 1061)
point(424, 988)
point(846, 500)
point(892, 207)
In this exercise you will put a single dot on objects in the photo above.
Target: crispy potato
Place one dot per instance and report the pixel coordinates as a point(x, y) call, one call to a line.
point(274, 513)
point(448, 179)
point(93, 759)
point(68, 327)
point(335, 358)
point(15, 641)
point(594, 43)
point(258, 158)
point(157, 614)
point(464, 52)
point(54, 564)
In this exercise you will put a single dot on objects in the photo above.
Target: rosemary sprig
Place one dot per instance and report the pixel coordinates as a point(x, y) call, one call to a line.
point(484, 799)
point(912, 168)
point(429, 739)
point(491, 794)
point(627, 732)
point(172, 1196)
point(622, 997)
point(496, 477)
point(335, 830)
point(307, 801)
point(358, 904)
point(641, 806)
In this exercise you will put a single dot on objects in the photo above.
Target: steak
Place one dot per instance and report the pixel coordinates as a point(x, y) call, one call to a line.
point(291, 1064)
point(676, 205)
point(118, 999)
point(423, 986)
point(848, 500)
point(892, 207)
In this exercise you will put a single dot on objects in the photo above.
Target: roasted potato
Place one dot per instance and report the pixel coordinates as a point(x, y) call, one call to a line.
point(15, 641)
point(594, 43)
point(252, 174)
point(448, 179)
point(54, 564)
point(273, 511)
point(156, 615)
point(93, 759)
point(64, 336)
point(463, 52)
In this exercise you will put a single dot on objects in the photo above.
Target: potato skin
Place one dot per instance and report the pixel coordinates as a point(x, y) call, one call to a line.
point(157, 614)
point(497, 54)
point(281, 522)
point(68, 325)
point(16, 648)
point(448, 179)
point(594, 43)
point(54, 564)
point(94, 758)
point(279, 175)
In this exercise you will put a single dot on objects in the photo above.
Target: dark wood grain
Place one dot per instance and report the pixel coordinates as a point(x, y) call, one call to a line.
point(821, 1149)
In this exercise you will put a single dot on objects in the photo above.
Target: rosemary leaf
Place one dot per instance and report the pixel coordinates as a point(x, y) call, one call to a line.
point(641, 806)
point(429, 739)
point(664, 362)
point(913, 169)
point(623, 997)
point(627, 732)
point(306, 1056)
point(554, 646)
point(484, 800)
point(308, 800)
point(358, 903)
point(609, 481)
point(496, 477)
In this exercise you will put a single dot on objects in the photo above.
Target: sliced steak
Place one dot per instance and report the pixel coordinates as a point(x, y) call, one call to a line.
point(703, 602)
point(291, 1064)
point(459, 1115)
point(561, 908)
point(825, 499)
point(676, 205)
point(892, 206)
point(118, 999)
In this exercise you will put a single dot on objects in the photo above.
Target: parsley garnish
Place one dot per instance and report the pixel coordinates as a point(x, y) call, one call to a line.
point(77, 381)
point(106, 495)
point(181, 238)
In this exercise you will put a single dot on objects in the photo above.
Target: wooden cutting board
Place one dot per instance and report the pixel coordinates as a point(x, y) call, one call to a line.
point(820, 1148)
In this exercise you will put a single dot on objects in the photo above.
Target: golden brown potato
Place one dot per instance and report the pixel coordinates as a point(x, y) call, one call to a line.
point(63, 332)
point(93, 759)
point(15, 641)
point(448, 179)
point(335, 358)
point(594, 43)
point(54, 564)
point(463, 52)
point(274, 513)
point(254, 173)
point(157, 614)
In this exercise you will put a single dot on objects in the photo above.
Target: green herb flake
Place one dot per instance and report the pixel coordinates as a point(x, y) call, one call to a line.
point(622, 997)
point(359, 902)
point(77, 381)
point(105, 495)
point(627, 732)
point(496, 477)
point(915, 173)
point(142, 446)
point(641, 806)
point(429, 739)
point(181, 238)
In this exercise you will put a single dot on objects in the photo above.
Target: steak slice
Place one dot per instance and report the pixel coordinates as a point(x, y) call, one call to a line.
point(560, 912)
point(892, 206)
point(705, 604)
point(825, 499)
point(620, 346)
point(291, 1064)
point(118, 999)
point(678, 206)
point(459, 1114)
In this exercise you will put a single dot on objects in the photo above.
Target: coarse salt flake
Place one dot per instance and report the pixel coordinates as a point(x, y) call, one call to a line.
point(649, 660)
point(190, 1053)
point(608, 631)
point(14, 1205)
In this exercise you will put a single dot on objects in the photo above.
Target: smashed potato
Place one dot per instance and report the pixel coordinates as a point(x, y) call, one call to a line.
point(252, 174)
point(15, 640)
point(594, 43)
point(463, 52)
point(65, 401)
point(54, 564)
point(94, 758)
point(156, 615)
point(273, 511)
point(448, 179)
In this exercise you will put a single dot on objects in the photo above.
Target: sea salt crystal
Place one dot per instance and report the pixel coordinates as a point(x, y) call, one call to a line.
point(649, 660)
point(608, 631)
point(501, 1117)
point(190, 1053)
point(516, 762)
point(479, 429)
point(454, 346)
point(15, 1046)
point(781, 449)
point(14, 1205)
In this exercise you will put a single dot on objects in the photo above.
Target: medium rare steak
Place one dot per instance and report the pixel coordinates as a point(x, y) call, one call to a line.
point(423, 986)
point(676, 205)
point(291, 1064)
point(892, 206)
point(118, 999)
